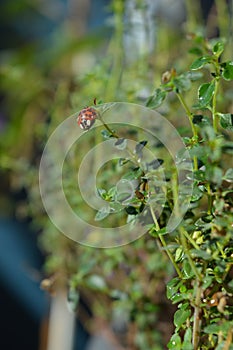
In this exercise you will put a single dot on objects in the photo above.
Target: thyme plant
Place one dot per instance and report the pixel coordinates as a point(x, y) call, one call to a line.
point(200, 248)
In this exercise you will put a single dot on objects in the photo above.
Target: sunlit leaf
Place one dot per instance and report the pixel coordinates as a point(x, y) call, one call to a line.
point(201, 62)
point(218, 48)
point(205, 93)
point(188, 272)
point(173, 286)
point(226, 121)
point(228, 175)
point(180, 317)
point(227, 70)
point(175, 342)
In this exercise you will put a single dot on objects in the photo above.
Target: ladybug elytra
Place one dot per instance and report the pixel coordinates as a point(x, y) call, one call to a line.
point(86, 118)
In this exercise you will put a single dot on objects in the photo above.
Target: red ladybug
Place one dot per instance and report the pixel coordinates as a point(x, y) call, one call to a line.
point(86, 118)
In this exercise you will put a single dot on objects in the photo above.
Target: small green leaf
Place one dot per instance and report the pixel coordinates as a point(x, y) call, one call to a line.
point(187, 343)
point(230, 284)
point(207, 282)
point(133, 174)
point(179, 254)
point(180, 317)
point(212, 328)
point(173, 286)
point(121, 144)
point(201, 62)
point(227, 70)
point(195, 51)
point(218, 48)
point(178, 297)
point(156, 233)
point(101, 192)
point(199, 175)
point(112, 192)
point(198, 151)
point(182, 82)
point(156, 99)
point(199, 253)
point(228, 175)
point(205, 93)
point(102, 213)
point(201, 224)
point(188, 272)
point(197, 193)
point(226, 121)
point(214, 174)
point(106, 134)
point(175, 342)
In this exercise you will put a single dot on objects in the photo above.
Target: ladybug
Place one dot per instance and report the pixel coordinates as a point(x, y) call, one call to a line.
point(86, 118)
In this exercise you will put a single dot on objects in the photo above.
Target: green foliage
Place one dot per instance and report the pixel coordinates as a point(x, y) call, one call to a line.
point(203, 259)
point(206, 234)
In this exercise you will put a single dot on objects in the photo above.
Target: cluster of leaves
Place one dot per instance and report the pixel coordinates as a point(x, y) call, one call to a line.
point(131, 193)
point(203, 253)
point(203, 290)
point(210, 57)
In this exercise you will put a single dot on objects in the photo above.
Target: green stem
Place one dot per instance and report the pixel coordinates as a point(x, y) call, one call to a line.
point(221, 250)
point(164, 244)
point(188, 112)
point(187, 253)
point(214, 112)
point(190, 117)
point(175, 198)
point(111, 132)
point(134, 158)
point(197, 316)
point(194, 244)
point(184, 234)
point(210, 199)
